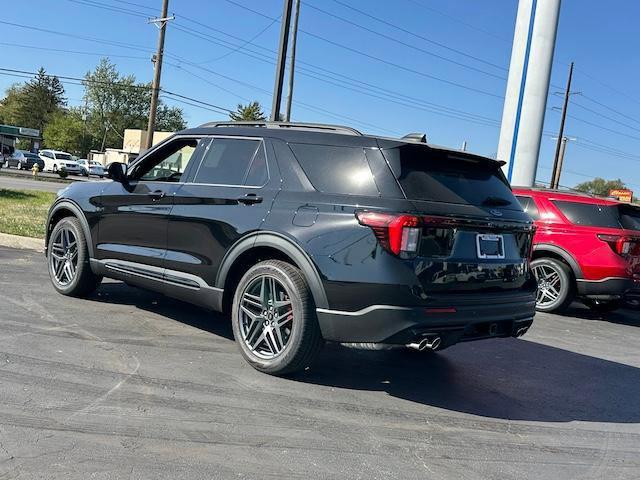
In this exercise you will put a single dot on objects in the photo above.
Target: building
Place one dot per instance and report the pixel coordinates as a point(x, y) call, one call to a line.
point(9, 134)
point(131, 147)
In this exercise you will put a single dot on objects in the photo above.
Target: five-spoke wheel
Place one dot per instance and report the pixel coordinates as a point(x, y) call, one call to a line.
point(555, 284)
point(64, 256)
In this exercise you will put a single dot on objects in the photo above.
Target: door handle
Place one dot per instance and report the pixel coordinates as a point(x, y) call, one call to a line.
point(250, 199)
point(157, 195)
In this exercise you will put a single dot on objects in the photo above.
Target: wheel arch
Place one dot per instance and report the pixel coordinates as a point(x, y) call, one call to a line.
point(67, 208)
point(553, 251)
point(266, 246)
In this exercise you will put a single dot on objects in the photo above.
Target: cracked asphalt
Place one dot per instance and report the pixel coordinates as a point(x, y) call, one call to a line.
point(130, 384)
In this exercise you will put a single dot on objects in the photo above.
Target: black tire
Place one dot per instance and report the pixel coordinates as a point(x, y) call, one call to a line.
point(55, 169)
point(566, 288)
point(603, 306)
point(305, 339)
point(84, 281)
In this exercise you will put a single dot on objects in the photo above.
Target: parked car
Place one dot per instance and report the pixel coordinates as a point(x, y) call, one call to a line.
point(585, 247)
point(55, 160)
point(90, 167)
point(24, 160)
point(305, 234)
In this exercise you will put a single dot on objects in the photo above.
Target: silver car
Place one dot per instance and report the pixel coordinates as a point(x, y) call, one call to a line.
point(91, 167)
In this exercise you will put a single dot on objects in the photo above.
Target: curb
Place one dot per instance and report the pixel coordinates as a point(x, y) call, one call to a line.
point(16, 241)
point(40, 178)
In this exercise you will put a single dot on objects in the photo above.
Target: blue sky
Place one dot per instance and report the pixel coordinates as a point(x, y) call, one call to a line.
point(441, 71)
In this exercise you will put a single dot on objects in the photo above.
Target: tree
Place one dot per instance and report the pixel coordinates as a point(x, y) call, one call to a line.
point(67, 131)
point(116, 102)
point(250, 112)
point(34, 103)
point(600, 186)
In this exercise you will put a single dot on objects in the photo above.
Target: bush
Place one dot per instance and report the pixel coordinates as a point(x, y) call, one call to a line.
point(62, 172)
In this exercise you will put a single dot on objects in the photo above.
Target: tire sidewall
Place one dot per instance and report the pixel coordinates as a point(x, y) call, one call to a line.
point(299, 302)
point(566, 289)
point(74, 226)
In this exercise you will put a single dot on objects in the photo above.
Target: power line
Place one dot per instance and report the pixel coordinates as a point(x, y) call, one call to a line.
point(34, 47)
point(400, 42)
point(586, 97)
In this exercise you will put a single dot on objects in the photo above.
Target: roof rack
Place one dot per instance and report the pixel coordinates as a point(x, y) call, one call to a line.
point(292, 125)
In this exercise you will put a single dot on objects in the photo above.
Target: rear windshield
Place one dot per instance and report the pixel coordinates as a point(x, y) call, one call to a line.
point(436, 175)
point(589, 214)
point(629, 217)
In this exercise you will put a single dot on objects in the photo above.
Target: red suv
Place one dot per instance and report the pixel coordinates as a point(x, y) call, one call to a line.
point(585, 247)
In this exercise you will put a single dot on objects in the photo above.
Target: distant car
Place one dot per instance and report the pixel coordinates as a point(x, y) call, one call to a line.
point(23, 160)
point(54, 160)
point(90, 167)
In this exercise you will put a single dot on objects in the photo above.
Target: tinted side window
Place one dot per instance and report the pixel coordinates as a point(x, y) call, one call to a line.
point(343, 170)
point(629, 217)
point(589, 215)
point(227, 162)
point(529, 206)
point(168, 163)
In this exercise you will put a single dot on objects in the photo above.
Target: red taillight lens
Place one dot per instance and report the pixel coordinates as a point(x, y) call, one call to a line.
point(621, 245)
point(395, 232)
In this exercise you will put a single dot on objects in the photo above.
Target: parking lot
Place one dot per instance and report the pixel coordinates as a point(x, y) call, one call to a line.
point(129, 384)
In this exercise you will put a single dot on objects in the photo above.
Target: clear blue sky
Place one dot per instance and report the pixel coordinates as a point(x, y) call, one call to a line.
point(451, 60)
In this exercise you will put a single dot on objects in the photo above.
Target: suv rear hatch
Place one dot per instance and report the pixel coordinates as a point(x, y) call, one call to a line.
point(471, 233)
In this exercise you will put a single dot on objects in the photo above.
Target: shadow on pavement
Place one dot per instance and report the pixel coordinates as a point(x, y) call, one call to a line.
point(622, 317)
point(511, 379)
point(122, 294)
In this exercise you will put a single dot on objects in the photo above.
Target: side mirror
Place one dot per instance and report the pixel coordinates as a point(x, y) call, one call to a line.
point(117, 172)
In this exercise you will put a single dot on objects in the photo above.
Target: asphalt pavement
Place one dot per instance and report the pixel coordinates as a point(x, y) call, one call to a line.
point(130, 384)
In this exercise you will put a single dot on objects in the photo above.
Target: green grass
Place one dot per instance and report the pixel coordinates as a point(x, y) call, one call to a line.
point(24, 212)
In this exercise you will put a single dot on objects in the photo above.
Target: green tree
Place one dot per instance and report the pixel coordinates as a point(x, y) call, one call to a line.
point(250, 112)
point(66, 131)
point(116, 102)
point(33, 103)
point(600, 186)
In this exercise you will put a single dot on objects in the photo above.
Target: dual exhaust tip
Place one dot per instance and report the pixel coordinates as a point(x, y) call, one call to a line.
point(426, 343)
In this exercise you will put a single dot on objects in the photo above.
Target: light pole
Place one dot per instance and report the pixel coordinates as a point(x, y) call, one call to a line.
point(281, 63)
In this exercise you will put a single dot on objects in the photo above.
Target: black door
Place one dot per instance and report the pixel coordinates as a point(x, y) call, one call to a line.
point(134, 216)
point(227, 196)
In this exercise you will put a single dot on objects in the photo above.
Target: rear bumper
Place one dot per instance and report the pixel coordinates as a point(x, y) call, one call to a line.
point(607, 287)
point(459, 320)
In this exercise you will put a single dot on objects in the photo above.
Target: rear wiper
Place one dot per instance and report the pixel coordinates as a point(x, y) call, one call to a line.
point(492, 201)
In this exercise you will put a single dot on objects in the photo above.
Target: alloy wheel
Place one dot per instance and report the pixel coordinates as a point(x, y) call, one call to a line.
point(266, 317)
point(64, 256)
point(549, 285)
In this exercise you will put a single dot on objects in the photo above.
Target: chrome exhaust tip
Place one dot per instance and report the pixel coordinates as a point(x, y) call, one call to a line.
point(427, 343)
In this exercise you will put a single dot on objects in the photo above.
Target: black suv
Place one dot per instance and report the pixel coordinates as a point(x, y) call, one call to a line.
point(307, 233)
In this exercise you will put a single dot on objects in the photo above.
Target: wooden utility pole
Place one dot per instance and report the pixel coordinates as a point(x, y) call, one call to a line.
point(161, 23)
point(292, 62)
point(282, 60)
point(557, 164)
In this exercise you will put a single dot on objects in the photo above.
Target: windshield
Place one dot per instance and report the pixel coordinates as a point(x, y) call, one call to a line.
point(441, 176)
point(63, 156)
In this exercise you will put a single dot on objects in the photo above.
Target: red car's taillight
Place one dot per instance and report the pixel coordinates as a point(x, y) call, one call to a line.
point(396, 232)
point(621, 244)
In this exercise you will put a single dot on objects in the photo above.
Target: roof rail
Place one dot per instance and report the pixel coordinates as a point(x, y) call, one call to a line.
point(292, 125)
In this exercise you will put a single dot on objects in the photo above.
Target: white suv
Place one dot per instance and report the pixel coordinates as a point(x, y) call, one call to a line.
point(54, 160)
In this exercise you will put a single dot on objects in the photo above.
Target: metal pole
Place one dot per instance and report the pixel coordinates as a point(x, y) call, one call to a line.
point(282, 58)
point(292, 62)
point(155, 86)
point(555, 178)
point(527, 89)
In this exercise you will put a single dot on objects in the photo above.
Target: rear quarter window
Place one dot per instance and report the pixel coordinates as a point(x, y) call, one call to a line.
point(589, 214)
point(629, 217)
point(529, 206)
point(336, 169)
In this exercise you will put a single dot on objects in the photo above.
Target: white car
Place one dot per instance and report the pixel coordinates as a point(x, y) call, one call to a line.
point(91, 167)
point(54, 160)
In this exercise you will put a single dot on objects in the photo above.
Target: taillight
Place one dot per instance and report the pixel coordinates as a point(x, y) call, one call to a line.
point(620, 244)
point(395, 232)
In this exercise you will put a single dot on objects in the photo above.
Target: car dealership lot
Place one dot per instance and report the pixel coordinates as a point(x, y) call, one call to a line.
point(132, 384)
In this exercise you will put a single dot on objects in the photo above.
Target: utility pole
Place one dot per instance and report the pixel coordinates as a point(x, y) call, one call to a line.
point(561, 143)
point(555, 178)
point(292, 62)
point(161, 23)
point(282, 60)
